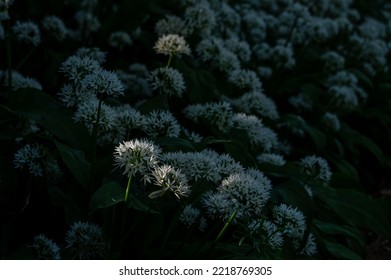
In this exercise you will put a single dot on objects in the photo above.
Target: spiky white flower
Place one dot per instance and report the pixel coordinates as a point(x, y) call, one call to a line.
point(32, 156)
point(332, 121)
point(316, 167)
point(161, 123)
point(171, 25)
point(55, 26)
point(200, 18)
point(19, 81)
point(291, 219)
point(270, 158)
point(86, 239)
point(168, 81)
point(256, 102)
point(310, 247)
point(265, 233)
point(245, 79)
point(172, 45)
point(27, 32)
point(170, 179)
point(103, 82)
point(218, 114)
point(120, 39)
point(137, 156)
point(93, 53)
point(45, 248)
point(76, 68)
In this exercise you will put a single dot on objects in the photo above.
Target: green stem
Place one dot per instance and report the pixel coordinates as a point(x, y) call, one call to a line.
point(169, 61)
point(9, 54)
point(128, 190)
point(94, 138)
point(227, 224)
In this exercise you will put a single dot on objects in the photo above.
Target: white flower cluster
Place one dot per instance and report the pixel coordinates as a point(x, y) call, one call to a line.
point(19, 81)
point(316, 167)
point(45, 248)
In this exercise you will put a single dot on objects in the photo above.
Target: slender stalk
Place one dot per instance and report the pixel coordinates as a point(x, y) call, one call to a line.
point(94, 138)
point(9, 53)
point(169, 61)
point(128, 190)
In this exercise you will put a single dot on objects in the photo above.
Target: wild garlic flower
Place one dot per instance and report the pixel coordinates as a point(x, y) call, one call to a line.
point(170, 179)
point(137, 156)
point(86, 113)
point(4, 6)
point(172, 45)
point(217, 114)
point(270, 158)
point(258, 134)
point(245, 79)
point(27, 32)
point(87, 22)
point(316, 167)
point(161, 123)
point(103, 82)
point(256, 102)
point(291, 219)
point(45, 248)
point(76, 68)
point(72, 95)
point(171, 25)
point(120, 39)
point(246, 193)
point(333, 61)
point(331, 121)
point(87, 240)
point(55, 26)
point(32, 156)
point(93, 53)
point(168, 81)
point(190, 215)
point(265, 233)
point(19, 81)
point(310, 247)
point(195, 165)
point(240, 48)
point(200, 18)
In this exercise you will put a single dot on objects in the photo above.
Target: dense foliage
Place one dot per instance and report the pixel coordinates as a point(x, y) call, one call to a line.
point(211, 129)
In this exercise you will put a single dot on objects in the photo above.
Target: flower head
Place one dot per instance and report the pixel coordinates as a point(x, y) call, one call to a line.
point(170, 179)
point(168, 80)
point(137, 156)
point(87, 239)
point(45, 248)
point(172, 44)
point(27, 32)
point(316, 167)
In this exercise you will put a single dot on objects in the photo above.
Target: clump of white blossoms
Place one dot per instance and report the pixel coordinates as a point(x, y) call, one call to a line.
point(55, 27)
point(45, 248)
point(93, 53)
point(245, 79)
point(291, 219)
point(161, 123)
point(256, 102)
point(245, 193)
point(168, 81)
point(172, 45)
point(87, 240)
point(76, 68)
point(103, 82)
point(190, 215)
point(265, 233)
point(32, 156)
point(137, 156)
point(271, 158)
point(332, 121)
point(120, 39)
point(316, 167)
point(27, 32)
point(170, 179)
point(19, 81)
point(218, 114)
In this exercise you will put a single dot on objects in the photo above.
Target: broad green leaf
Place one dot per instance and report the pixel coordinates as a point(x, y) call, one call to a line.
point(76, 162)
point(107, 195)
point(45, 110)
point(334, 229)
point(341, 252)
point(358, 209)
point(136, 204)
point(174, 144)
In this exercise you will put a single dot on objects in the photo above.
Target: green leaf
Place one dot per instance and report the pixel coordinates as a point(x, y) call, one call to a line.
point(340, 252)
point(45, 110)
point(174, 144)
point(362, 78)
point(107, 195)
point(136, 204)
point(334, 229)
point(358, 209)
point(76, 163)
